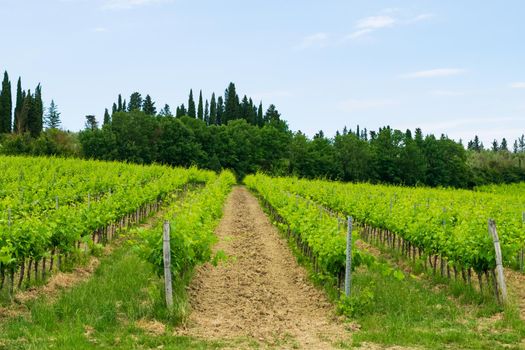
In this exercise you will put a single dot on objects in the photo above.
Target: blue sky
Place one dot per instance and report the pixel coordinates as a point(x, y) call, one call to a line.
point(447, 66)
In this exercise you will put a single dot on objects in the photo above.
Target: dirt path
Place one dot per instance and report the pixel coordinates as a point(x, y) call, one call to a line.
point(260, 294)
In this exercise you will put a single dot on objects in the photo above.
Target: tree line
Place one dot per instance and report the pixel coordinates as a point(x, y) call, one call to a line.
point(518, 146)
point(227, 132)
point(245, 146)
point(218, 111)
point(236, 133)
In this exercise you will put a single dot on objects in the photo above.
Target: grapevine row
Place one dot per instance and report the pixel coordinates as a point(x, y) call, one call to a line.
point(34, 237)
point(318, 234)
point(192, 222)
point(35, 185)
point(451, 224)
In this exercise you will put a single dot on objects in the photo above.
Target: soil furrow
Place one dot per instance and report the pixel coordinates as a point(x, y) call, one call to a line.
point(260, 293)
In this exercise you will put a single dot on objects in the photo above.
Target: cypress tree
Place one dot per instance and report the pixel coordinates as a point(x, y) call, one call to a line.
point(207, 112)
point(200, 112)
point(191, 105)
point(231, 104)
point(107, 118)
point(39, 105)
point(181, 111)
point(124, 108)
point(245, 109)
point(476, 144)
point(220, 111)
point(114, 108)
point(252, 112)
point(135, 102)
point(254, 115)
point(120, 108)
point(6, 105)
point(272, 115)
point(25, 112)
point(18, 105)
point(213, 110)
point(149, 106)
point(260, 117)
point(53, 116)
point(35, 116)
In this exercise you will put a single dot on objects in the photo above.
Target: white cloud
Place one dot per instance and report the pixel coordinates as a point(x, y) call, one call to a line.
point(314, 40)
point(375, 22)
point(128, 4)
point(518, 85)
point(352, 105)
point(421, 17)
point(358, 33)
point(433, 73)
point(363, 27)
point(370, 24)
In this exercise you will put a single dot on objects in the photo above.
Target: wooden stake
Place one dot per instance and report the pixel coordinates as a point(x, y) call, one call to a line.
point(348, 274)
point(499, 265)
point(167, 264)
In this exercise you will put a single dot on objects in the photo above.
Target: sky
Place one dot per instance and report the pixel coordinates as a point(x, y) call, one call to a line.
point(446, 66)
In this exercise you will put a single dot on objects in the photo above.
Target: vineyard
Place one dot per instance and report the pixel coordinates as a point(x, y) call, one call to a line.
point(448, 228)
point(54, 208)
point(56, 212)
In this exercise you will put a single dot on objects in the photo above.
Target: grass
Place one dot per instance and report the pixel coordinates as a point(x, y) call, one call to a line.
point(104, 312)
point(412, 312)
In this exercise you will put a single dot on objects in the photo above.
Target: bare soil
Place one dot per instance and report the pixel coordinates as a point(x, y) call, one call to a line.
point(260, 293)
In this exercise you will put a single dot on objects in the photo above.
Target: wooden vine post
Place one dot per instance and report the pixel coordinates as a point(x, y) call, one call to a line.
point(500, 278)
point(520, 259)
point(167, 264)
point(348, 272)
